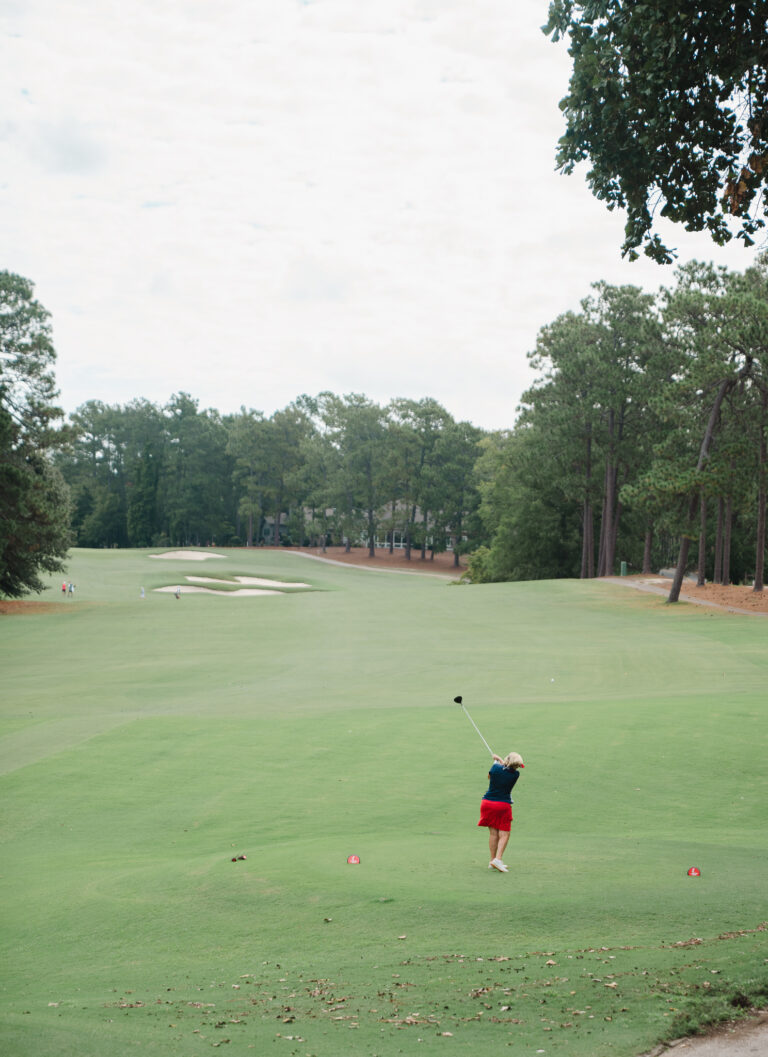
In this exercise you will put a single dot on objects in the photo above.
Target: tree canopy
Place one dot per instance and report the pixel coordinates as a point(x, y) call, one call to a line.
point(648, 414)
point(669, 105)
point(34, 501)
point(648, 421)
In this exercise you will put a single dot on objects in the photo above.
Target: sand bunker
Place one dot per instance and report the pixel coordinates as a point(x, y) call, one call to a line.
point(265, 587)
point(194, 556)
point(253, 580)
point(187, 589)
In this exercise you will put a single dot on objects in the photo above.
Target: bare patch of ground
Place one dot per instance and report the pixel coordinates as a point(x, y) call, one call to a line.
point(194, 556)
point(18, 607)
point(241, 592)
point(440, 564)
point(743, 599)
point(740, 1038)
point(251, 581)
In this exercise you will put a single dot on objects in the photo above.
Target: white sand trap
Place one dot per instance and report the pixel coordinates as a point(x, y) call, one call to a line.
point(252, 580)
point(193, 556)
point(187, 589)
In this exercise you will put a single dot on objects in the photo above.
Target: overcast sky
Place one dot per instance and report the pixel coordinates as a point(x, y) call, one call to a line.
point(253, 199)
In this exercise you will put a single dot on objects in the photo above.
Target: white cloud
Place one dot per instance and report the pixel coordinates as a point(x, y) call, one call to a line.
point(256, 198)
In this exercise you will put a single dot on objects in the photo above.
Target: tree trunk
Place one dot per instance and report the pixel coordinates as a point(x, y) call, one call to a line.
point(408, 537)
point(278, 513)
point(763, 465)
point(647, 549)
point(717, 573)
point(608, 545)
point(685, 539)
point(726, 579)
point(591, 544)
point(601, 548)
point(702, 577)
point(371, 537)
point(614, 529)
point(587, 518)
point(456, 539)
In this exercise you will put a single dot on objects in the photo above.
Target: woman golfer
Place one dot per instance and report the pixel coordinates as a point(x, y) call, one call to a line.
point(496, 805)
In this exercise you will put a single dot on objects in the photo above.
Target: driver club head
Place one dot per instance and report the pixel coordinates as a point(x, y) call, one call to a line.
point(458, 699)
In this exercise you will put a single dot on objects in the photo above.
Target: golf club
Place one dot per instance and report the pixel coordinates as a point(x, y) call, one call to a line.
point(459, 702)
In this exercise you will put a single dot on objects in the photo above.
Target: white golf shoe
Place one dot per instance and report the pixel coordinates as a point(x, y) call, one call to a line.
point(497, 864)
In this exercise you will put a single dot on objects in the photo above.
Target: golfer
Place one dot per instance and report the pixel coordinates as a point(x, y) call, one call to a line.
point(496, 805)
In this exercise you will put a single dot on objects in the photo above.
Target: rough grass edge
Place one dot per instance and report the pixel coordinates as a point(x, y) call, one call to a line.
point(720, 1006)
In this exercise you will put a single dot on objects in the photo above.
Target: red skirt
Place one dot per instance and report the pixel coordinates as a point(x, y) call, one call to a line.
point(496, 814)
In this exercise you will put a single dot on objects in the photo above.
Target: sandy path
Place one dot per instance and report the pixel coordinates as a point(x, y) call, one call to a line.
point(246, 581)
point(241, 592)
point(732, 599)
point(383, 562)
point(193, 556)
point(746, 1038)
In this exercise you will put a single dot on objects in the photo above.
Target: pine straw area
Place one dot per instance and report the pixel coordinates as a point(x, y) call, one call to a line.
point(731, 596)
point(16, 607)
point(440, 563)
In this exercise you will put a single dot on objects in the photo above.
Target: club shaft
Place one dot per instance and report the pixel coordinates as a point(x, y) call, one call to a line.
point(488, 747)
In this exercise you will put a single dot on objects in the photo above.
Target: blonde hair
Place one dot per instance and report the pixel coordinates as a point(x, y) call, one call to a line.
point(513, 760)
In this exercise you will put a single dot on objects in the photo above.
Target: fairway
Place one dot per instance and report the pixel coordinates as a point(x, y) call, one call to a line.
point(146, 742)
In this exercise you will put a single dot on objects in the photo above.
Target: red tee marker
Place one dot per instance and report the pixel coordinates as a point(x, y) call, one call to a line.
point(694, 872)
point(354, 860)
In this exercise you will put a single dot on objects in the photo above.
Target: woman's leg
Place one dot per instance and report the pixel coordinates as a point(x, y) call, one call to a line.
point(501, 843)
point(493, 841)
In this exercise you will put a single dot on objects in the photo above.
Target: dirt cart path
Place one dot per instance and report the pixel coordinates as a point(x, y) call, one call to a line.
point(748, 1038)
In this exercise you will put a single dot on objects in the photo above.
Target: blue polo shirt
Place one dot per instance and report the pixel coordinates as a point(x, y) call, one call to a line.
point(501, 783)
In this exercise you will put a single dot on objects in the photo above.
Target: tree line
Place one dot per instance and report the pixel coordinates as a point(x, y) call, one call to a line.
point(644, 432)
point(642, 440)
point(324, 469)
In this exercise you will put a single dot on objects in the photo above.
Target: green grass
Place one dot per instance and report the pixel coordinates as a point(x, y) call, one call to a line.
point(144, 743)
